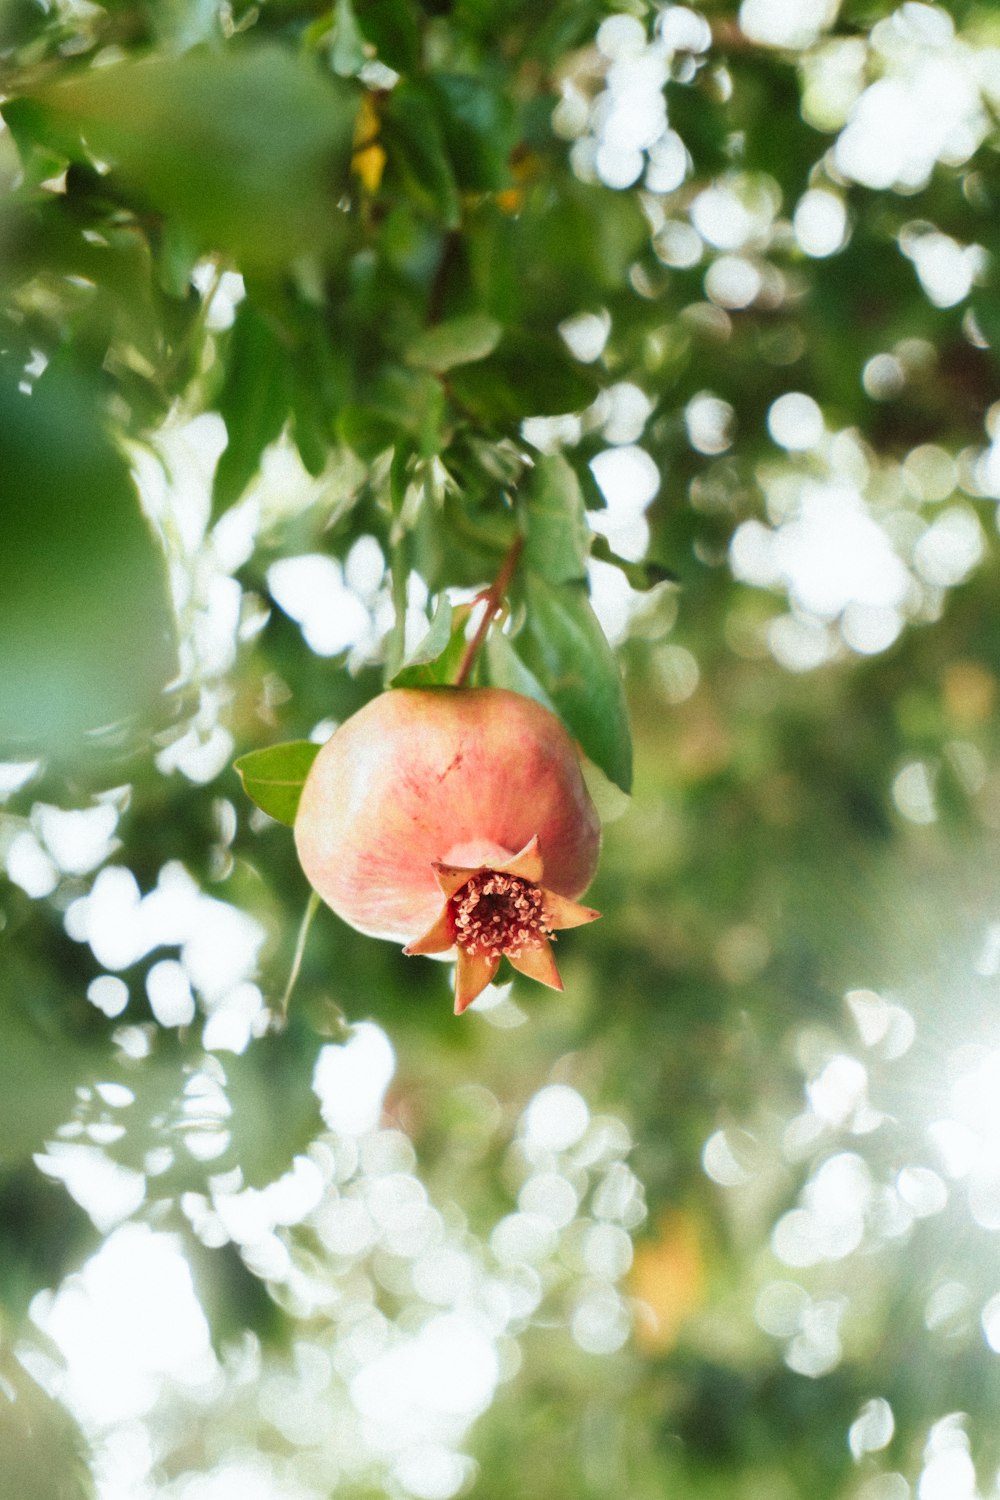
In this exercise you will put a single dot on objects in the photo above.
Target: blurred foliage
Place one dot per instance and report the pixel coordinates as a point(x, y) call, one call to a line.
point(312, 316)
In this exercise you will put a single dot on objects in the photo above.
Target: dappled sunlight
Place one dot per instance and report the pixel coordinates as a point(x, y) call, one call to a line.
point(820, 222)
point(614, 109)
point(389, 1380)
point(848, 539)
point(106, 1191)
point(778, 23)
point(127, 1322)
point(929, 102)
point(898, 1146)
point(219, 947)
point(929, 105)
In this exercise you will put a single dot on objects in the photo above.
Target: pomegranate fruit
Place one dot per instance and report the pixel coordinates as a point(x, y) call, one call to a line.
point(453, 819)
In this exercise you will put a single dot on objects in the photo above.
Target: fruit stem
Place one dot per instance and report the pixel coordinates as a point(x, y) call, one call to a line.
point(493, 600)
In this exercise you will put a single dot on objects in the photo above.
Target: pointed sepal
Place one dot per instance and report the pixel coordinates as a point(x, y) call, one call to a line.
point(474, 972)
point(538, 963)
point(451, 878)
point(560, 912)
point(527, 863)
point(437, 939)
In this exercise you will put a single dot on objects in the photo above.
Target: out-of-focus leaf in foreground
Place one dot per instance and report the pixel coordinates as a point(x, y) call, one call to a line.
point(247, 148)
point(85, 619)
point(42, 1451)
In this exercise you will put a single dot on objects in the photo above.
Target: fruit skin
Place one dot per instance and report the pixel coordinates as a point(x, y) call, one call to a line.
point(459, 776)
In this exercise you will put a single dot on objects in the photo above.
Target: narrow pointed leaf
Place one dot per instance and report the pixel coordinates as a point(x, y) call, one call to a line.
point(417, 154)
point(429, 648)
point(253, 403)
point(435, 661)
point(527, 375)
point(500, 666)
point(557, 537)
point(564, 647)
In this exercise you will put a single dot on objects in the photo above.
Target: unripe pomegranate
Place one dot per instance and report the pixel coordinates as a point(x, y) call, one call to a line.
point(468, 796)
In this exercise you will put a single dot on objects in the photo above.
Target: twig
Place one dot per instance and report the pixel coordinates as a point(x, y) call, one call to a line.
point(493, 600)
point(312, 906)
point(196, 327)
point(439, 287)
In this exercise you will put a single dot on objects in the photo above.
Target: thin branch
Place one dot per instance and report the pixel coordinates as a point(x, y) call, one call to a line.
point(439, 288)
point(493, 601)
point(312, 906)
point(196, 328)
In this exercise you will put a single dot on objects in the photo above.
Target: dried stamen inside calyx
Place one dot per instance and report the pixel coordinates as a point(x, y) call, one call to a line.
point(492, 912)
point(495, 913)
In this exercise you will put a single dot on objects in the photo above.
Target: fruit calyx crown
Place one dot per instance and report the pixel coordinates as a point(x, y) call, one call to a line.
point(494, 911)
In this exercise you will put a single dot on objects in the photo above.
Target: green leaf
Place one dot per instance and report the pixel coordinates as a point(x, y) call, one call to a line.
point(480, 129)
point(177, 259)
point(273, 1117)
point(565, 250)
point(36, 1061)
point(645, 575)
point(274, 777)
point(310, 428)
point(459, 341)
point(233, 1299)
point(500, 666)
point(414, 141)
point(248, 146)
point(43, 1452)
point(986, 309)
point(557, 537)
point(526, 376)
point(400, 402)
point(85, 616)
point(319, 377)
point(563, 645)
point(611, 802)
point(254, 402)
point(393, 29)
point(30, 1257)
point(365, 431)
point(433, 643)
point(435, 661)
point(347, 44)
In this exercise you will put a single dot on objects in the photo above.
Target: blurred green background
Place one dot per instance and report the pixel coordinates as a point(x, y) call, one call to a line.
point(308, 312)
